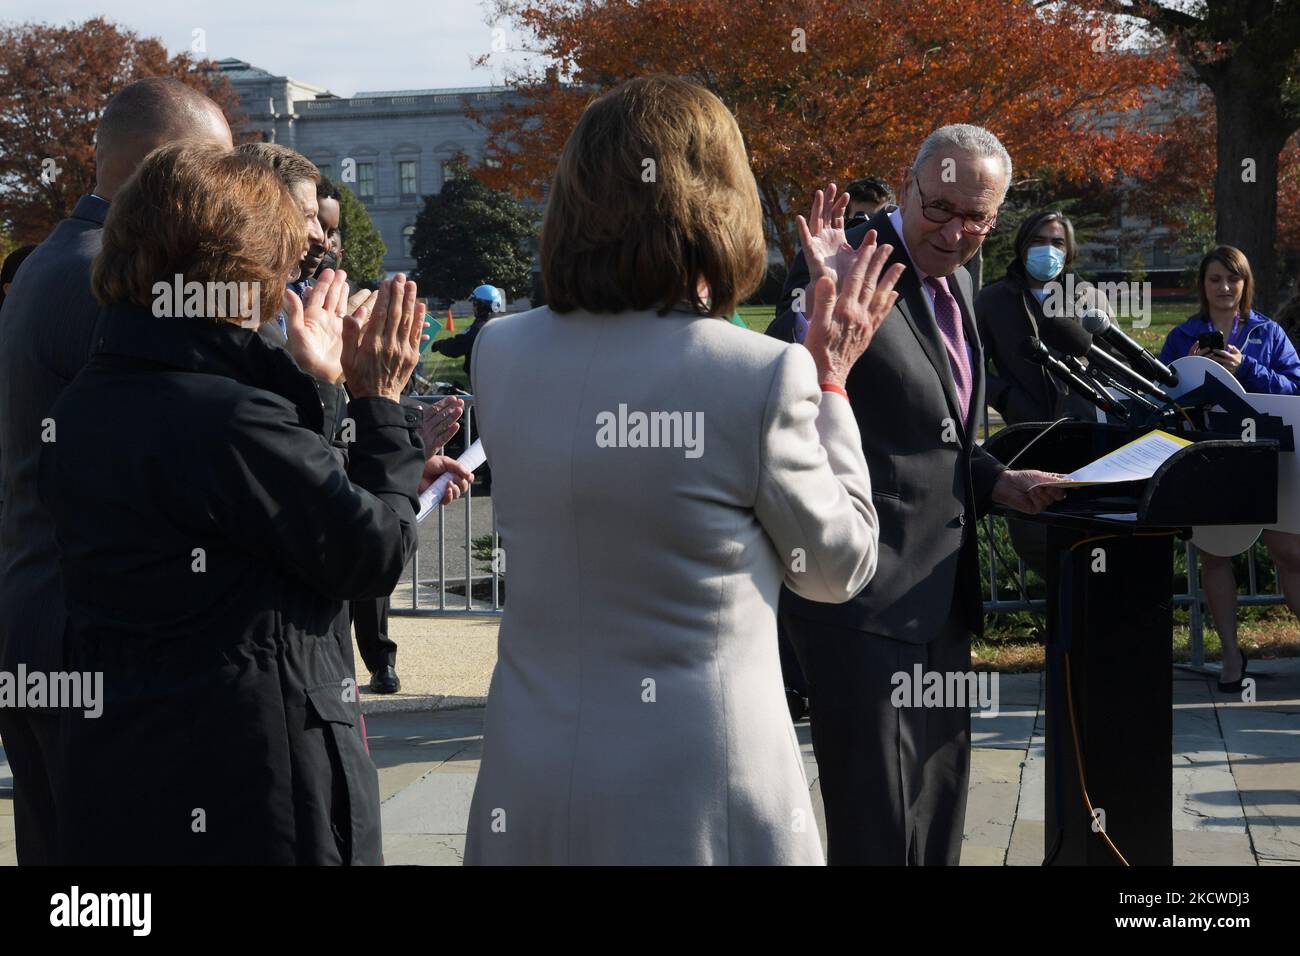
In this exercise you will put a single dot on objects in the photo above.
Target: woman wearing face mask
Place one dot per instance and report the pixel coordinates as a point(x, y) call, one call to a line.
point(1258, 353)
point(1011, 311)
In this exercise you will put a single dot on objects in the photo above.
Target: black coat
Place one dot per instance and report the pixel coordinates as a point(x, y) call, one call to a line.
point(1009, 314)
point(209, 535)
point(927, 491)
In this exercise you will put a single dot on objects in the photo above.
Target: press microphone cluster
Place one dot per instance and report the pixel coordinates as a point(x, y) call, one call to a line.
point(1036, 351)
point(1098, 324)
point(1073, 339)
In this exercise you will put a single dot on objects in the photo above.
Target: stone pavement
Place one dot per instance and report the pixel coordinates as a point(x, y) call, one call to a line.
point(1236, 766)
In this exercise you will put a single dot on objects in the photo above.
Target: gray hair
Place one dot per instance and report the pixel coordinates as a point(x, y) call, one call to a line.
point(962, 137)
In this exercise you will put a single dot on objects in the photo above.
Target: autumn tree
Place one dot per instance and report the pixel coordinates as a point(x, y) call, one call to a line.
point(54, 84)
point(836, 89)
point(1247, 53)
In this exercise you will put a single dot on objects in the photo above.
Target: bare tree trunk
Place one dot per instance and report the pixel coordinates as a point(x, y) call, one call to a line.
point(1252, 129)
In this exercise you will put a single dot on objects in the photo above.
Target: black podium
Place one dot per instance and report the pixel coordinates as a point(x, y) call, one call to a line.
point(1109, 726)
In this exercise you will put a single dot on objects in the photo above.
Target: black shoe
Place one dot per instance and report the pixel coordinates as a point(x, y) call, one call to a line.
point(1234, 687)
point(384, 681)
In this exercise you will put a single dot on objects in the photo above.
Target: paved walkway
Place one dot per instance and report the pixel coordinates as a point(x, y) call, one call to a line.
point(1236, 766)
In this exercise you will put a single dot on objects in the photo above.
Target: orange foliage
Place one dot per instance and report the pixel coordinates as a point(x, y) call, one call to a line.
point(874, 78)
point(54, 85)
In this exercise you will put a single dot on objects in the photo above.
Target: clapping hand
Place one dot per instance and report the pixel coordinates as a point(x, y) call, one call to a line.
point(315, 327)
point(381, 351)
point(441, 422)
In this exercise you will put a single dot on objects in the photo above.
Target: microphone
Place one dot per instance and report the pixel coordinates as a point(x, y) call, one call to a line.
point(1097, 322)
point(1117, 370)
point(1036, 351)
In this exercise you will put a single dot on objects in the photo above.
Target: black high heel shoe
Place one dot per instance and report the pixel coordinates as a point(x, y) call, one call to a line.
point(1234, 687)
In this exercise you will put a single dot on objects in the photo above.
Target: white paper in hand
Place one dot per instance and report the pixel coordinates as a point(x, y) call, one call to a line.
point(429, 498)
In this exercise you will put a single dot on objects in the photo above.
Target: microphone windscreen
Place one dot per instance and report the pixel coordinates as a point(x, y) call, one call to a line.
point(1094, 321)
point(1065, 335)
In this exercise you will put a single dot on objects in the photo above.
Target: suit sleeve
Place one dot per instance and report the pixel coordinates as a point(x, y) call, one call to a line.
point(782, 326)
point(814, 494)
point(281, 490)
point(985, 470)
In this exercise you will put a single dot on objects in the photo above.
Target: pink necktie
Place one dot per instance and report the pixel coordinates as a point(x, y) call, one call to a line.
point(948, 315)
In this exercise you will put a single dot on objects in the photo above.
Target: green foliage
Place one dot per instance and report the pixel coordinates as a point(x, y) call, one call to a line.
point(467, 235)
point(363, 247)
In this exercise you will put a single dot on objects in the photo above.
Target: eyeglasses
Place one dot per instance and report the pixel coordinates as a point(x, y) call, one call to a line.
point(969, 224)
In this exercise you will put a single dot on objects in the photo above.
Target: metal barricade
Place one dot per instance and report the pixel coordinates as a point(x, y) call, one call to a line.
point(439, 519)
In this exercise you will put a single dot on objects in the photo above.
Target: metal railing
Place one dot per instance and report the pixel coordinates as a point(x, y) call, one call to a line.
point(1193, 598)
point(439, 519)
point(994, 603)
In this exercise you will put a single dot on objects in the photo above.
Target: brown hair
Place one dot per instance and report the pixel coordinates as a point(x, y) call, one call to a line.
point(653, 193)
point(290, 165)
point(1235, 261)
point(204, 213)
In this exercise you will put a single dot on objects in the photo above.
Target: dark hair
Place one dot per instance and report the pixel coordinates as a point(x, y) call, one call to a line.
point(1029, 228)
point(652, 194)
point(325, 189)
point(10, 267)
point(869, 189)
point(1235, 261)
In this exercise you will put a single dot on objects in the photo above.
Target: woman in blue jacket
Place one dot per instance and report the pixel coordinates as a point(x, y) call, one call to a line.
point(1257, 351)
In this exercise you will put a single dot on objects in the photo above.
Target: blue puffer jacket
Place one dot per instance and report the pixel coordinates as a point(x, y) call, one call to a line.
point(1269, 363)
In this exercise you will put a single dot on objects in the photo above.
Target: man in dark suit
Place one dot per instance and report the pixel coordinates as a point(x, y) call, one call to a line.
point(45, 339)
point(893, 778)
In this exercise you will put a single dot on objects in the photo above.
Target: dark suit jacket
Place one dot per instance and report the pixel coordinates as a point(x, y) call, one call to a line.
point(45, 339)
point(927, 491)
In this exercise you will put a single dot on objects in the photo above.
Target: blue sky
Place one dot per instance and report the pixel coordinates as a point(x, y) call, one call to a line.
point(401, 44)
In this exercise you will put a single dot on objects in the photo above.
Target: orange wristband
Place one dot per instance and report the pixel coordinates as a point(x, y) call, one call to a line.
point(831, 387)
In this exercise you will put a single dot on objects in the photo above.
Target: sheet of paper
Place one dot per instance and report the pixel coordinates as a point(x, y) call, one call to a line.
point(429, 498)
point(1136, 461)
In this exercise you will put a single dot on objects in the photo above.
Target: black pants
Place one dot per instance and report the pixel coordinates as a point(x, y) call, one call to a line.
point(893, 779)
point(32, 740)
point(370, 621)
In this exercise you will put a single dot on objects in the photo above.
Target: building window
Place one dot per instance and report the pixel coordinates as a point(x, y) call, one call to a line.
point(366, 180)
point(448, 170)
point(408, 236)
point(326, 170)
point(406, 177)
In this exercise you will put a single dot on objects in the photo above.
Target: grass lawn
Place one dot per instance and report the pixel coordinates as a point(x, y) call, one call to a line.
point(1164, 316)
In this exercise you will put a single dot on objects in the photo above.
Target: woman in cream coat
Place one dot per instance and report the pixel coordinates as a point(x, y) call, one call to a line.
point(657, 473)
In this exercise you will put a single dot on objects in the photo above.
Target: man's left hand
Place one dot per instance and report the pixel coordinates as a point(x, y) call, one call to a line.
point(1015, 489)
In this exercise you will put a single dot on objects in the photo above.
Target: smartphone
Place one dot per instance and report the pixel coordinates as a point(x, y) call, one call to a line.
point(1210, 340)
